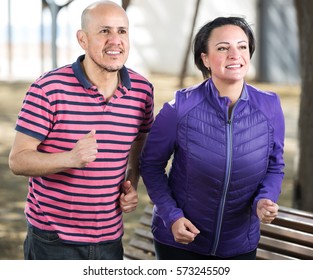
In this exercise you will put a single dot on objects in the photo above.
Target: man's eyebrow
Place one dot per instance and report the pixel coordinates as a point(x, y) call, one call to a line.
point(111, 27)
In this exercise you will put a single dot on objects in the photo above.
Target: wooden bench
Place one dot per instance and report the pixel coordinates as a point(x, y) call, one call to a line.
point(289, 237)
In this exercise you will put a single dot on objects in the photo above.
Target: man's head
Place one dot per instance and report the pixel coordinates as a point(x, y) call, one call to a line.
point(104, 35)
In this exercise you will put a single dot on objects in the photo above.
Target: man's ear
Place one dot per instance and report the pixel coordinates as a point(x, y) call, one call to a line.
point(82, 39)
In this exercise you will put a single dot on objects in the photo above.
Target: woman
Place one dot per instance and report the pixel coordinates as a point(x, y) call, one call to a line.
point(227, 141)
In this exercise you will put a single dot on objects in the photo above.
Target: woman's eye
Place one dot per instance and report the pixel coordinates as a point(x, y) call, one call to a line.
point(222, 49)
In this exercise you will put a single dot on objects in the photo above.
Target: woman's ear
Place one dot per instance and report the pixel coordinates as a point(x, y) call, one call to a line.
point(205, 60)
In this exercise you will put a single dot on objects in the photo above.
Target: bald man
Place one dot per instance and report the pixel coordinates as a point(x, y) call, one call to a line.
point(78, 138)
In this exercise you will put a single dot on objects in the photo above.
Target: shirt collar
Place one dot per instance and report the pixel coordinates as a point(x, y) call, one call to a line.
point(244, 94)
point(80, 74)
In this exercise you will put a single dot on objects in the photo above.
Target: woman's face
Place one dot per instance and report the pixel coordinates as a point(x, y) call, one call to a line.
point(228, 54)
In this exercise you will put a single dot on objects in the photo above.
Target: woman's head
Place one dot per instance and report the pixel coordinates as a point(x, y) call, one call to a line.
point(202, 38)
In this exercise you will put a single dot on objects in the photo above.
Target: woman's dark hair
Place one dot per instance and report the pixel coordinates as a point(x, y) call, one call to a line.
point(200, 44)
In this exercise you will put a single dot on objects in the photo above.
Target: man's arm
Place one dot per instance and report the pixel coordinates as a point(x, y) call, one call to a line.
point(129, 195)
point(25, 159)
point(132, 173)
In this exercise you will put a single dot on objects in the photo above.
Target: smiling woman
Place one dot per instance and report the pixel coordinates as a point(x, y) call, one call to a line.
point(228, 58)
point(227, 141)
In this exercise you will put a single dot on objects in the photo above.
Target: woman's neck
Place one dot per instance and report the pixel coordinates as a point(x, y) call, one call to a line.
point(231, 90)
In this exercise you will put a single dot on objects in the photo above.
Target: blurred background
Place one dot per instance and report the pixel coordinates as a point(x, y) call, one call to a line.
point(42, 35)
point(38, 35)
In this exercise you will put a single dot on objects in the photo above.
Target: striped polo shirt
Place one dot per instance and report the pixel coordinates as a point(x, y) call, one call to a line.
point(82, 204)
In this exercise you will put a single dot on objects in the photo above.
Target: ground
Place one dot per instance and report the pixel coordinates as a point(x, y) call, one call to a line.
point(13, 188)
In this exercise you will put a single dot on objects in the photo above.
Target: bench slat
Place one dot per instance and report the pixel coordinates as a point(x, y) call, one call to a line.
point(294, 219)
point(142, 244)
point(133, 253)
point(148, 209)
point(286, 248)
point(145, 233)
point(295, 212)
point(287, 234)
point(263, 254)
point(145, 220)
point(297, 223)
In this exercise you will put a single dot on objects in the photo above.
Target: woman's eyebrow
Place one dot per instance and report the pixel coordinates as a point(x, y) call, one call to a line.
point(227, 43)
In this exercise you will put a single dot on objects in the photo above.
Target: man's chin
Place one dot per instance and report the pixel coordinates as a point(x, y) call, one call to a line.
point(112, 69)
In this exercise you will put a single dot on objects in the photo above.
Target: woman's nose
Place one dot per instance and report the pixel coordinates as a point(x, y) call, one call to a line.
point(234, 53)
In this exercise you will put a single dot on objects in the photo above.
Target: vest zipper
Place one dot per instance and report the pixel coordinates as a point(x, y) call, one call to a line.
point(229, 139)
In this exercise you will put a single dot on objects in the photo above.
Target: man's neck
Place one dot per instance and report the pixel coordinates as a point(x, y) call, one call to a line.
point(105, 81)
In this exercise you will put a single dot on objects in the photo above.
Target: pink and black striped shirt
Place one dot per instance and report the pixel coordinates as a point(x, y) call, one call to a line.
point(60, 107)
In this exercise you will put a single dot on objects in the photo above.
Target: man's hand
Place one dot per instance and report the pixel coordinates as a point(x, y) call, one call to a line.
point(128, 197)
point(85, 150)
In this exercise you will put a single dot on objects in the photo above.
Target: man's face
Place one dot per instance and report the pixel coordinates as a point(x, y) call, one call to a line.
point(106, 38)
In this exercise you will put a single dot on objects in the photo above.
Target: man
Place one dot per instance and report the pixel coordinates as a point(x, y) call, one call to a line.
point(79, 135)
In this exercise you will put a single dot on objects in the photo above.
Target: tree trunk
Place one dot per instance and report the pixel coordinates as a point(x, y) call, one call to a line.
point(54, 10)
point(304, 183)
point(125, 4)
point(185, 63)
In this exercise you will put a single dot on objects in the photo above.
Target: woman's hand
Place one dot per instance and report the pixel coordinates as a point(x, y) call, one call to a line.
point(267, 210)
point(184, 231)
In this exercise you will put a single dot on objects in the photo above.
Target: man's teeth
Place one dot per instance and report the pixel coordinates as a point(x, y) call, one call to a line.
point(113, 52)
point(234, 66)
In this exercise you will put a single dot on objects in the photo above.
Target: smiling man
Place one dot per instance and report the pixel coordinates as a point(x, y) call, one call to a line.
point(79, 135)
point(104, 37)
